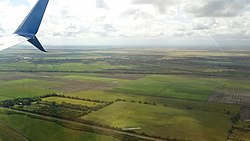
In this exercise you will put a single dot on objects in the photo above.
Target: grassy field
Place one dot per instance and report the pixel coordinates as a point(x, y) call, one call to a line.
point(165, 121)
point(59, 100)
point(26, 66)
point(104, 95)
point(85, 78)
point(40, 130)
point(27, 85)
point(184, 87)
point(7, 133)
point(24, 88)
point(177, 103)
point(181, 87)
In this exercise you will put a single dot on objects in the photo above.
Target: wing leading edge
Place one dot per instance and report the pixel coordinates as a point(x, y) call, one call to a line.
point(28, 28)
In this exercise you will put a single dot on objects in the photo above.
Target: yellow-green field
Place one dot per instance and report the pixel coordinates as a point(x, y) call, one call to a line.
point(60, 100)
point(165, 121)
point(25, 88)
point(181, 87)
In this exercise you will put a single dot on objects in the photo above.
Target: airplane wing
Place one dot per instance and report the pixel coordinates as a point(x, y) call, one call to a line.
point(28, 28)
point(11, 40)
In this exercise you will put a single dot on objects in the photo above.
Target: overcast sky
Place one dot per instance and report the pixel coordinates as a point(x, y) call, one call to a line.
point(136, 22)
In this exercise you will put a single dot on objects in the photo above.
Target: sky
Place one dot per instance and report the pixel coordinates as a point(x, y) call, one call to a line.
point(136, 22)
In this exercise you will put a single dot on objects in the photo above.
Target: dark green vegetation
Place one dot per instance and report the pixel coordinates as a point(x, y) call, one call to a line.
point(150, 93)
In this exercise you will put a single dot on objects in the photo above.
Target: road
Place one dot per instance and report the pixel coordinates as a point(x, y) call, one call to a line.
point(88, 125)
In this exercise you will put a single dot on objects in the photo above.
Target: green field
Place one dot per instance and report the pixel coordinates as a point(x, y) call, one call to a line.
point(181, 87)
point(60, 100)
point(7, 134)
point(26, 66)
point(40, 130)
point(166, 121)
point(24, 88)
point(184, 87)
point(104, 95)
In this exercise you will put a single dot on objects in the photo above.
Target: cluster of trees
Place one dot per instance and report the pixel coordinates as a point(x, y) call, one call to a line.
point(7, 103)
point(119, 99)
point(83, 107)
point(67, 110)
point(54, 110)
point(145, 102)
point(235, 118)
point(71, 97)
point(60, 112)
point(26, 101)
point(78, 106)
point(133, 101)
point(19, 101)
point(63, 110)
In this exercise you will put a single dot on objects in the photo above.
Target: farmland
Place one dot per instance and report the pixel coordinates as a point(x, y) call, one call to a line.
point(165, 121)
point(169, 94)
point(36, 129)
point(81, 102)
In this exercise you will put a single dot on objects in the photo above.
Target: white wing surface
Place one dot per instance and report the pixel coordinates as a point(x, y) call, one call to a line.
point(11, 40)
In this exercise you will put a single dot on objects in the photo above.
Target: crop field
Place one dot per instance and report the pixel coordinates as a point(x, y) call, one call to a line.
point(94, 94)
point(24, 88)
point(60, 100)
point(182, 87)
point(245, 112)
point(40, 130)
point(165, 121)
point(172, 86)
point(225, 96)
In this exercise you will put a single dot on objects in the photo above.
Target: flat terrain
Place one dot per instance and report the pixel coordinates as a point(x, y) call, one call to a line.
point(165, 121)
point(182, 87)
point(60, 100)
point(162, 93)
point(40, 130)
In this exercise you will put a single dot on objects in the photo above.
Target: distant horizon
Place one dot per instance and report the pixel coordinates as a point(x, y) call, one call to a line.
point(87, 47)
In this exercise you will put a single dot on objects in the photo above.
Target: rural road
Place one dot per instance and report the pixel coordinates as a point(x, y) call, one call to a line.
point(88, 125)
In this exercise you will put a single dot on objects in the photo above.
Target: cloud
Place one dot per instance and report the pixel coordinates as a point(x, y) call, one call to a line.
point(101, 4)
point(137, 14)
point(1, 28)
point(109, 28)
point(115, 21)
point(218, 8)
point(161, 5)
point(204, 24)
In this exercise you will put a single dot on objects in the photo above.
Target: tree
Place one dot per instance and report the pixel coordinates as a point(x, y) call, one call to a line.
point(8, 103)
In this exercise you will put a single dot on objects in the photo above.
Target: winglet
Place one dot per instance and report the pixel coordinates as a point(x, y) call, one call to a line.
point(31, 23)
point(34, 41)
